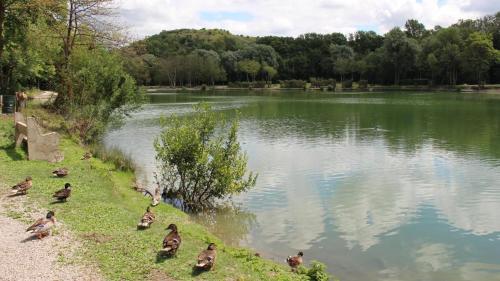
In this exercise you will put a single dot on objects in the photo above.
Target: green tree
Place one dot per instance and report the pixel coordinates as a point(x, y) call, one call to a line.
point(270, 72)
point(448, 47)
point(415, 29)
point(104, 92)
point(480, 54)
point(343, 58)
point(200, 163)
point(400, 52)
point(249, 67)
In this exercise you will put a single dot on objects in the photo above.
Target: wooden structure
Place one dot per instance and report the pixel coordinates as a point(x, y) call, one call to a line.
point(41, 146)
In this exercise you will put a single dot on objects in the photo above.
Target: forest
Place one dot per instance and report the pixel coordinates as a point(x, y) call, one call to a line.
point(466, 52)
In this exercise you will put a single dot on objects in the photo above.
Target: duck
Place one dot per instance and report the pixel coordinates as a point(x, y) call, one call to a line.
point(156, 197)
point(63, 194)
point(206, 259)
point(172, 241)
point(22, 187)
point(86, 156)
point(147, 219)
point(41, 228)
point(295, 261)
point(61, 172)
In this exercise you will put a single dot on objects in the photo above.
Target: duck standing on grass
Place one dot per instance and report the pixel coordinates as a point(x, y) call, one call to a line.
point(22, 187)
point(42, 226)
point(63, 194)
point(86, 156)
point(295, 261)
point(147, 219)
point(206, 259)
point(61, 172)
point(172, 241)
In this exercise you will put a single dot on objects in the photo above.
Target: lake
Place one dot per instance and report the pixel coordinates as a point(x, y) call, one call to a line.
point(378, 186)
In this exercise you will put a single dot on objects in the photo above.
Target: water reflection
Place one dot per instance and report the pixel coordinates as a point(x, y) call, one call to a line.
point(228, 221)
point(380, 187)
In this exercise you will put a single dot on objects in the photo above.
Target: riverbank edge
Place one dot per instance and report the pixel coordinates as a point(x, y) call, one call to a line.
point(486, 89)
point(103, 213)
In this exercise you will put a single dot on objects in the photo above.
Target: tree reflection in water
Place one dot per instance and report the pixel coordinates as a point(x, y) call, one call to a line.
point(227, 221)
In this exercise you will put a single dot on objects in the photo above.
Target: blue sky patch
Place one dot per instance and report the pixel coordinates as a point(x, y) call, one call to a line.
point(223, 15)
point(367, 27)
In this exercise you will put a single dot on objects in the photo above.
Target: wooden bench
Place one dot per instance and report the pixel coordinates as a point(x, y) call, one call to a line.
point(41, 146)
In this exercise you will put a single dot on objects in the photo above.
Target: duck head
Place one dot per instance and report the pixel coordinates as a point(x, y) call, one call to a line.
point(212, 246)
point(67, 186)
point(28, 178)
point(50, 214)
point(300, 254)
point(172, 227)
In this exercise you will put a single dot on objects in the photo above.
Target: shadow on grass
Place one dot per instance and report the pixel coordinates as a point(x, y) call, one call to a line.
point(15, 195)
point(30, 238)
point(161, 256)
point(197, 271)
point(13, 153)
point(57, 202)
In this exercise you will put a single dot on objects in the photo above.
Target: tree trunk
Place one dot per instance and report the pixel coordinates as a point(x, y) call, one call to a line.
point(3, 8)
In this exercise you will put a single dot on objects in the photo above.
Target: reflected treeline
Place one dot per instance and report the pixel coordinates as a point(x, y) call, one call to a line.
point(228, 221)
point(406, 122)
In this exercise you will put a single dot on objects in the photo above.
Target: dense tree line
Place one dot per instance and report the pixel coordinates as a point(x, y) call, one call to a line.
point(466, 52)
point(70, 46)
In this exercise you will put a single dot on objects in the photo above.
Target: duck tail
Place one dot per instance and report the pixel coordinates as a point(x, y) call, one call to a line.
point(143, 225)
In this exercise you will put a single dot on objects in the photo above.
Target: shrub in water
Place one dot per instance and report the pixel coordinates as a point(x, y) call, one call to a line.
point(347, 84)
point(363, 84)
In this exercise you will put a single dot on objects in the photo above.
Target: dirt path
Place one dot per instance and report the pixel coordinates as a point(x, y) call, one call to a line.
point(25, 258)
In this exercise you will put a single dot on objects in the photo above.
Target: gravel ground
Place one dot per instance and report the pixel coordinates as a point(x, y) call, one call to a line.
point(25, 258)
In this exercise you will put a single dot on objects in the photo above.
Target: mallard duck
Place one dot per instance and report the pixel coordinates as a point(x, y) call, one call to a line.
point(86, 156)
point(206, 259)
point(295, 261)
point(147, 219)
point(172, 241)
point(156, 197)
point(22, 187)
point(42, 226)
point(61, 172)
point(63, 194)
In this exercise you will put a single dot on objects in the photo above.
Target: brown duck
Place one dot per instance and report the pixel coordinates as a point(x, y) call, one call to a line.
point(147, 219)
point(61, 172)
point(206, 259)
point(22, 187)
point(295, 261)
point(63, 194)
point(172, 241)
point(42, 226)
point(86, 156)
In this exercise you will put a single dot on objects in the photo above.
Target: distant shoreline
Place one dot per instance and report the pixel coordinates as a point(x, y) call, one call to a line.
point(488, 89)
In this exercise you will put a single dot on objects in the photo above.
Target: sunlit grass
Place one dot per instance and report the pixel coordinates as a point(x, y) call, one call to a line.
point(103, 212)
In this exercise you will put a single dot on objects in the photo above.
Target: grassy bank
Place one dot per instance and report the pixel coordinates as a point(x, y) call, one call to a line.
point(103, 213)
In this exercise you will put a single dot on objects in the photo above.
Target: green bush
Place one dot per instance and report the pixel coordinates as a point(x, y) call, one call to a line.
point(200, 159)
point(102, 93)
point(319, 83)
point(363, 84)
point(347, 84)
point(297, 84)
point(247, 85)
point(317, 272)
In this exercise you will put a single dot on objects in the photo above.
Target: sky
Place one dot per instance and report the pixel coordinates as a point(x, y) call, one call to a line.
point(294, 17)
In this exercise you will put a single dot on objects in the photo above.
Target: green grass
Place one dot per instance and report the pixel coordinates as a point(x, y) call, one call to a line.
point(103, 213)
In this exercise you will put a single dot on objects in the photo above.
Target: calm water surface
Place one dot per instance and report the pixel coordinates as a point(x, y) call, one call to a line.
point(378, 186)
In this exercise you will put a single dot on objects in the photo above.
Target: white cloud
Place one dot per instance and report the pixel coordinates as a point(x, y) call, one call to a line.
point(294, 17)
